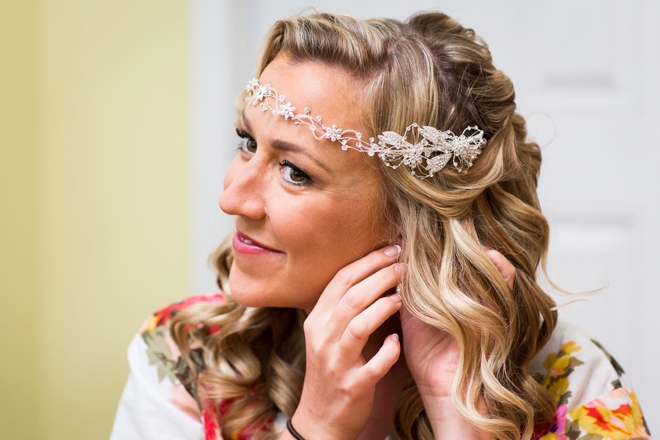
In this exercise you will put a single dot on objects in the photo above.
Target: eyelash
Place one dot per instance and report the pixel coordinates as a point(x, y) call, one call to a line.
point(306, 182)
point(242, 146)
point(245, 138)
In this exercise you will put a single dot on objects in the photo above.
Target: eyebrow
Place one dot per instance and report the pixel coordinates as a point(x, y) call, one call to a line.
point(283, 145)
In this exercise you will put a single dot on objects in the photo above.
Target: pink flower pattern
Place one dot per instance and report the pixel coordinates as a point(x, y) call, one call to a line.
point(616, 415)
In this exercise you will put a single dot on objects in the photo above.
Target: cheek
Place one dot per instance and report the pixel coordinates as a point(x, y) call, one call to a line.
point(329, 235)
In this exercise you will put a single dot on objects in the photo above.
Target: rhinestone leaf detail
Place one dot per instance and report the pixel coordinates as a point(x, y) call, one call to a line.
point(425, 150)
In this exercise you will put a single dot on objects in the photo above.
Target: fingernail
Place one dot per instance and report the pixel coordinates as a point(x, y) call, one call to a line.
point(395, 297)
point(401, 268)
point(394, 337)
point(393, 250)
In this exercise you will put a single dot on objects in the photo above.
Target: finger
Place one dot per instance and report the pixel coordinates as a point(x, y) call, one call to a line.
point(503, 265)
point(380, 364)
point(362, 295)
point(352, 274)
point(363, 325)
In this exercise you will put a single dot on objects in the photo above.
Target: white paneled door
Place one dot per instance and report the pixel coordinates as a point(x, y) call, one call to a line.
point(586, 76)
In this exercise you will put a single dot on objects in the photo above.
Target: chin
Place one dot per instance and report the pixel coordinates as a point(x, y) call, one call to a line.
point(251, 292)
point(245, 291)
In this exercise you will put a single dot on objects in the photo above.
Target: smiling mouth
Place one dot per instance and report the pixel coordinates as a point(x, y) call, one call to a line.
point(244, 243)
point(245, 240)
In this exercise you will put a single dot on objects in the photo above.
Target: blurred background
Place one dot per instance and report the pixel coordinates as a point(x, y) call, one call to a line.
point(116, 126)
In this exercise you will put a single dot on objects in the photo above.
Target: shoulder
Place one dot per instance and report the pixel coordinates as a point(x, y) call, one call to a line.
point(160, 348)
point(161, 318)
point(160, 397)
point(593, 394)
point(575, 368)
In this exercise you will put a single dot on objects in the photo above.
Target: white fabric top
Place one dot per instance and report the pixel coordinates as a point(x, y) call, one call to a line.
point(146, 411)
point(582, 377)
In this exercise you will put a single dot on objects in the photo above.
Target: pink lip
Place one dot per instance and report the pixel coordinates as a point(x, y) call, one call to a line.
point(245, 245)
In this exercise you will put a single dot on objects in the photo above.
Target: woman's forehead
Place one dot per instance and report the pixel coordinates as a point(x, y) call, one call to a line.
point(327, 91)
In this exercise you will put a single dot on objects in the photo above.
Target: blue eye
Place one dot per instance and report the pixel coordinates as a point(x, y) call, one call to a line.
point(247, 144)
point(294, 175)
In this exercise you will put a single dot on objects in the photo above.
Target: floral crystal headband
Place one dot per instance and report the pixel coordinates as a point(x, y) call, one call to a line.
point(430, 151)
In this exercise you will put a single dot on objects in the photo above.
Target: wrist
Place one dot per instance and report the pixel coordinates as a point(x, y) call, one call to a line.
point(310, 428)
point(295, 434)
point(302, 427)
point(445, 420)
point(286, 435)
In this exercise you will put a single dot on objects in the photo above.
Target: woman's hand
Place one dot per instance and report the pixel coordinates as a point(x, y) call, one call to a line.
point(432, 357)
point(338, 392)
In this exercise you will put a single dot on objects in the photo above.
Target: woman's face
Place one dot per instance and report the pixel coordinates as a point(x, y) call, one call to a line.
point(303, 208)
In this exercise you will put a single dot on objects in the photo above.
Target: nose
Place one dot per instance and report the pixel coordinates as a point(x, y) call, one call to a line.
point(244, 189)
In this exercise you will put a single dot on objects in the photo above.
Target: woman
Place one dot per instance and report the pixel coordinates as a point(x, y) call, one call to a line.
point(385, 199)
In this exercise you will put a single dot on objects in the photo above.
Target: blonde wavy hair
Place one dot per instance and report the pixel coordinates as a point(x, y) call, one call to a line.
point(432, 71)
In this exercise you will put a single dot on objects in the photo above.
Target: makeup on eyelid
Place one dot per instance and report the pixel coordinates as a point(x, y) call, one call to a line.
point(249, 145)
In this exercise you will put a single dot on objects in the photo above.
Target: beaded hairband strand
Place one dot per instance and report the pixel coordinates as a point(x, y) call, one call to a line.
point(430, 151)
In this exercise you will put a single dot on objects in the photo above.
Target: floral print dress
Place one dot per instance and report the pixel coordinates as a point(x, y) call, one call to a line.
point(594, 397)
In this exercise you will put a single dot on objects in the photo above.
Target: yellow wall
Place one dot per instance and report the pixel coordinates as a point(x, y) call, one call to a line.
point(98, 204)
point(19, 277)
